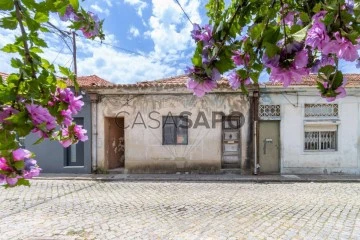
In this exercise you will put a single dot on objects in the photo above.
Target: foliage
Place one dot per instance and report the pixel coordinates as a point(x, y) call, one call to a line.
point(33, 99)
point(288, 39)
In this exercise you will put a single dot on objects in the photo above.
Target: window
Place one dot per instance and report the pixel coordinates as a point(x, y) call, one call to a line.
point(74, 154)
point(321, 110)
point(269, 112)
point(175, 130)
point(321, 134)
point(321, 138)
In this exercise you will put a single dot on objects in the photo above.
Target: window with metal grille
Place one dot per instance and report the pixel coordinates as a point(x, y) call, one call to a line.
point(321, 110)
point(269, 112)
point(175, 130)
point(320, 141)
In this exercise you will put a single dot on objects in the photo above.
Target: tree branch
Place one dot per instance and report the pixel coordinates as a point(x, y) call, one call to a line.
point(28, 58)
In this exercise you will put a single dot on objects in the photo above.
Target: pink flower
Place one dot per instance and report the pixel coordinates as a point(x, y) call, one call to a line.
point(346, 50)
point(20, 154)
point(317, 36)
point(2, 179)
point(340, 91)
point(31, 169)
point(66, 143)
point(67, 96)
point(80, 133)
point(288, 76)
point(200, 89)
point(319, 16)
point(7, 112)
point(342, 47)
point(301, 59)
point(289, 18)
point(3, 165)
point(240, 58)
point(202, 33)
point(325, 60)
point(234, 80)
point(93, 29)
point(68, 15)
point(75, 104)
point(11, 180)
point(67, 117)
point(40, 115)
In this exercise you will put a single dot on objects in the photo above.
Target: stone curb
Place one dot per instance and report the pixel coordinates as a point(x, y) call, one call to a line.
point(204, 178)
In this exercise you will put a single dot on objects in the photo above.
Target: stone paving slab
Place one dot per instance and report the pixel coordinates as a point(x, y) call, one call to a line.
point(67, 209)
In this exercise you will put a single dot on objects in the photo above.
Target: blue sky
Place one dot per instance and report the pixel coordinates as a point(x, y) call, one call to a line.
point(145, 40)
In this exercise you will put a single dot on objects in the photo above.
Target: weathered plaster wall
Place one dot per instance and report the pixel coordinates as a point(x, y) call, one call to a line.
point(144, 151)
point(293, 157)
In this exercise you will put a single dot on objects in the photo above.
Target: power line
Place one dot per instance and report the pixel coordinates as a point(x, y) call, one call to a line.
point(187, 16)
point(58, 53)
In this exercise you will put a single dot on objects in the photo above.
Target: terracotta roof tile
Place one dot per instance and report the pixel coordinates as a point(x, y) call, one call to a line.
point(84, 81)
point(353, 80)
point(91, 81)
point(177, 81)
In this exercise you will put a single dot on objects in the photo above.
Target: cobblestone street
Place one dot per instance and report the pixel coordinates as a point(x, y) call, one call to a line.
point(52, 209)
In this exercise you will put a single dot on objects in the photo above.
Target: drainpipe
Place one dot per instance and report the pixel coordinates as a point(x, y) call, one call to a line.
point(255, 148)
point(256, 134)
point(94, 107)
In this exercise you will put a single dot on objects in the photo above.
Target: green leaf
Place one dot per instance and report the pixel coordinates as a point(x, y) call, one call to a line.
point(16, 63)
point(36, 50)
point(6, 5)
point(23, 182)
point(8, 23)
point(74, 4)
point(10, 48)
point(41, 17)
point(317, 7)
point(19, 165)
point(40, 140)
point(300, 35)
point(327, 70)
point(304, 17)
point(271, 49)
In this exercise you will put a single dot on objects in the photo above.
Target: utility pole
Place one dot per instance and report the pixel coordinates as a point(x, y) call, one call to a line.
point(74, 52)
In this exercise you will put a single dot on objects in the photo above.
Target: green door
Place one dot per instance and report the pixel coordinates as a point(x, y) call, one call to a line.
point(269, 146)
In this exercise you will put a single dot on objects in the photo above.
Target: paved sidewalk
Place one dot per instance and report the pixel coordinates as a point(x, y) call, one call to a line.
point(129, 210)
point(202, 177)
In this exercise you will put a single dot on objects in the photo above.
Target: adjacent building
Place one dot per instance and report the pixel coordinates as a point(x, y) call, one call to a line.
point(300, 132)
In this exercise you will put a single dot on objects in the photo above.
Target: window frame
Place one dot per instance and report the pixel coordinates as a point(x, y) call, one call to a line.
point(319, 141)
point(176, 128)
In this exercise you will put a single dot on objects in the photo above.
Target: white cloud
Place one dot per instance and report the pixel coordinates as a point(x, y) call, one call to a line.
point(134, 31)
point(138, 4)
point(103, 60)
point(98, 9)
point(170, 29)
point(108, 2)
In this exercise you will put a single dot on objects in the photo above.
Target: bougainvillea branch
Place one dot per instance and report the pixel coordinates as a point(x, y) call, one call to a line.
point(33, 99)
point(290, 40)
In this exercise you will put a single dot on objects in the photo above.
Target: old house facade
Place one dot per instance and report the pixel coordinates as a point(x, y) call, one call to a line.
point(160, 126)
point(302, 133)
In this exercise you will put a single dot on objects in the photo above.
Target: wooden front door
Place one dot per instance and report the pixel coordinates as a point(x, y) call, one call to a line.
point(115, 143)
